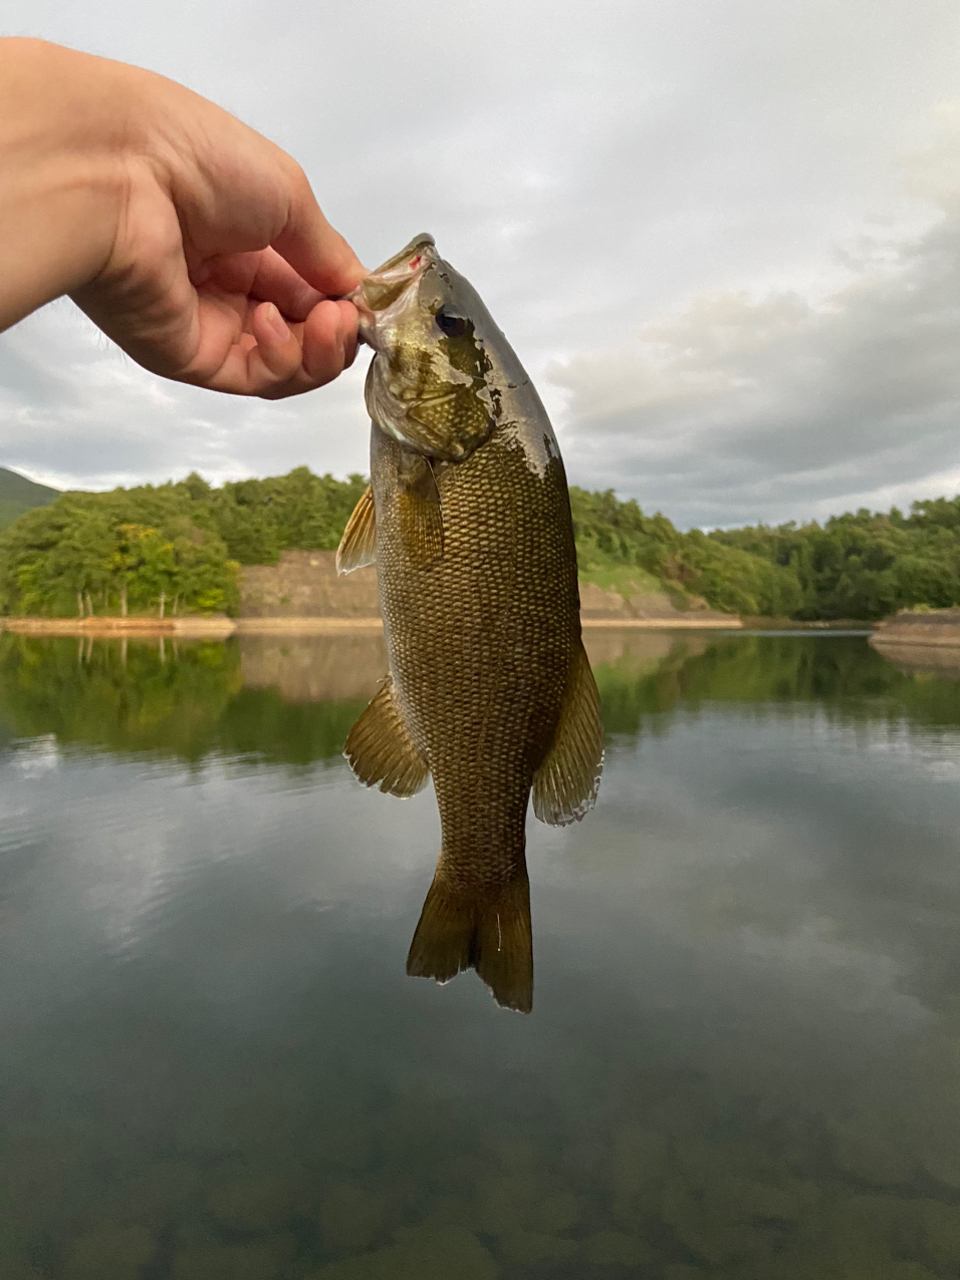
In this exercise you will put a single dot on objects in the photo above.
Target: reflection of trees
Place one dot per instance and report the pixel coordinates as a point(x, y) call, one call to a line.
point(139, 696)
point(134, 696)
point(838, 673)
point(260, 721)
point(125, 697)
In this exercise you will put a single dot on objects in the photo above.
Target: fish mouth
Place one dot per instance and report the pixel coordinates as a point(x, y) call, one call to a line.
point(383, 291)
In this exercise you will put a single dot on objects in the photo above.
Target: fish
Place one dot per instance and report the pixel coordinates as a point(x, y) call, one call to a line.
point(489, 690)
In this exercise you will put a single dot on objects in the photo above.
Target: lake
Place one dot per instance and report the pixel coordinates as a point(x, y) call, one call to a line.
point(744, 1055)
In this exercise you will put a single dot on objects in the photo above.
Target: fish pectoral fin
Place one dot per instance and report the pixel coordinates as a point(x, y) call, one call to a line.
point(419, 513)
point(380, 750)
point(358, 546)
point(565, 785)
point(484, 930)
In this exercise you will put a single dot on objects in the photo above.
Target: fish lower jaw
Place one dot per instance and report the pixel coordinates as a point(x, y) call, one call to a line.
point(366, 327)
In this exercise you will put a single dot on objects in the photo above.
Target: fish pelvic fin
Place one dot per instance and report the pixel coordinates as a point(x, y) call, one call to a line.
point(380, 749)
point(358, 546)
point(487, 930)
point(565, 786)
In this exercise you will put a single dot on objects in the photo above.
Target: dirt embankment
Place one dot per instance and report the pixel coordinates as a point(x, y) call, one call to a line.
point(602, 607)
point(928, 641)
point(304, 585)
point(937, 627)
point(303, 593)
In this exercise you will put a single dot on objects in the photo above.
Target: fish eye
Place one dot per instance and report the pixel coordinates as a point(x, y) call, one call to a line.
point(452, 326)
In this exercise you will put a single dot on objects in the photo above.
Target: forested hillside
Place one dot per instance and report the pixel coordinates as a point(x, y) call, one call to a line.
point(171, 548)
point(18, 494)
point(178, 547)
point(615, 540)
point(866, 564)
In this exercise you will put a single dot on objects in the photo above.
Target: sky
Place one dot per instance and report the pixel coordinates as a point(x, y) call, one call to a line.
point(722, 235)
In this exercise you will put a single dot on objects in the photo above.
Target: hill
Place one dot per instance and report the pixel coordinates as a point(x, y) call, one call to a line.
point(18, 494)
point(179, 547)
point(170, 548)
point(863, 564)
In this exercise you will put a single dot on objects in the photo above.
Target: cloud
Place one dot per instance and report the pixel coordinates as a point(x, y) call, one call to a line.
point(741, 408)
point(648, 202)
point(76, 412)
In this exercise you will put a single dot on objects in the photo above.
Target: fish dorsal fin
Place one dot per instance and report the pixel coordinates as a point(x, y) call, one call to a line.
point(565, 785)
point(419, 513)
point(380, 750)
point(358, 546)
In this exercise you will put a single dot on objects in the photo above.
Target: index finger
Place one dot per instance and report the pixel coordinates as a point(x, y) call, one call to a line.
point(313, 248)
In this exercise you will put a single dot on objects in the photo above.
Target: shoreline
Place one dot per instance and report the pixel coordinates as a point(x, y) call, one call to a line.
point(660, 624)
point(221, 628)
point(122, 628)
point(932, 629)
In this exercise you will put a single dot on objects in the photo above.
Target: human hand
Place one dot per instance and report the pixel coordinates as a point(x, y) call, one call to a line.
point(218, 268)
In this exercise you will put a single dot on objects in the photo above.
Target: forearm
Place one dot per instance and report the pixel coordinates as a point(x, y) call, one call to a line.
point(61, 171)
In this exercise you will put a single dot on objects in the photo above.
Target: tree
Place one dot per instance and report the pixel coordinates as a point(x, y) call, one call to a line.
point(83, 548)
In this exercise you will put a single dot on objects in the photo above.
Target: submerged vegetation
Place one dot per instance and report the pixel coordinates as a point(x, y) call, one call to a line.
point(177, 548)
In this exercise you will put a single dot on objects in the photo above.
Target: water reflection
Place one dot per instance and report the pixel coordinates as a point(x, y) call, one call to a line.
point(292, 700)
point(746, 1055)
point(192, 700)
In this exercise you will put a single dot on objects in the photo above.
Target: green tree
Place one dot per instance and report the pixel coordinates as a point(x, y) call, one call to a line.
point(610, 532)
point(135, 549)
point(864, 564)
point(178, 547)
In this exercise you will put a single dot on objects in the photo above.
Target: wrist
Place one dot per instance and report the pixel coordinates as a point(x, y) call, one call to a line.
point(63, 117)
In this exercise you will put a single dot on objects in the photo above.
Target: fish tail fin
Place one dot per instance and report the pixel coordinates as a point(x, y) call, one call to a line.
point(486, 930)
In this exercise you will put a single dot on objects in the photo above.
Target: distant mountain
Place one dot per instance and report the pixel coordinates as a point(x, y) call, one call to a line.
point(18, 494)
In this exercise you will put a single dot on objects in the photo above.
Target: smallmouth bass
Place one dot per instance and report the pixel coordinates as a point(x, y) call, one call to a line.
point(467, 518)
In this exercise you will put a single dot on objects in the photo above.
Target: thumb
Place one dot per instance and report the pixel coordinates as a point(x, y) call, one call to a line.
point(313, 248)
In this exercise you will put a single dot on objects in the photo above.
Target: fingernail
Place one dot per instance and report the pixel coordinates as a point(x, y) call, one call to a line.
point(276, 323)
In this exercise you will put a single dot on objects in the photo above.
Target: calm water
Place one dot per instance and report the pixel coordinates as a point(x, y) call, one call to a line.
point(744, 1056)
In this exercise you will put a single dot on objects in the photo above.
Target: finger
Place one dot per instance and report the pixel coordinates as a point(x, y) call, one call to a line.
point(263, 275)
point(350, 319)
point(329, 340)
point(267, 358)
point(277, 356)
point(329, 345)
point(277, 282)
point(312, 247)
point(244, 357)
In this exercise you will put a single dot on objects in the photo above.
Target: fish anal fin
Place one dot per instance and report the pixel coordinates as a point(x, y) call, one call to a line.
point(380, 750)
point(358, 546)
point(565, 786)
point(419, 513)
point(486, 930)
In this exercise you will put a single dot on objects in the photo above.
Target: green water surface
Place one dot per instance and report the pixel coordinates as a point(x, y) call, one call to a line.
point(744, 1055)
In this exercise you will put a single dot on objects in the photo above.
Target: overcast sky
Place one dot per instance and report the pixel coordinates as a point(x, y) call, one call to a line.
point(722, 235)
